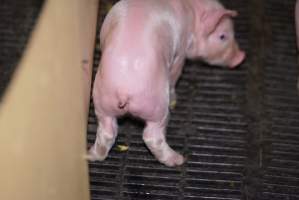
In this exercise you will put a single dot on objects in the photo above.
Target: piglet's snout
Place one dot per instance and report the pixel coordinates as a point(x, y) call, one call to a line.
point(237, 60)
point(237, 57)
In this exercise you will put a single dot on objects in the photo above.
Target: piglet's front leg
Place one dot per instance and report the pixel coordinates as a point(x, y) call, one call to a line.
point(175, 73)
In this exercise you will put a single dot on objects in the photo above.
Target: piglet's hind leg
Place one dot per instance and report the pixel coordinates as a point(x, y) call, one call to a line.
point(106, 134)
point(154, 138)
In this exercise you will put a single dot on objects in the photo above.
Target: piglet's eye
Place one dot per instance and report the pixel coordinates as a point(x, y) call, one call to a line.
point(222, 37)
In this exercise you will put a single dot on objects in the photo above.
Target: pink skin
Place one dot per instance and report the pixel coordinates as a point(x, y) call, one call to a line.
point(144, 45)
point(297, 29)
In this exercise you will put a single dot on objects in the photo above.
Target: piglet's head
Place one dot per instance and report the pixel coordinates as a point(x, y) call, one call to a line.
point(213, 39)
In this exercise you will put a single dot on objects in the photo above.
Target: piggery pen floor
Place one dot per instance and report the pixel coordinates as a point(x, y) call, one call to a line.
point(238, 129)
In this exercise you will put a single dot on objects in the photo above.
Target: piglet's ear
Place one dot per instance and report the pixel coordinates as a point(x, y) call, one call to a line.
point(211, 19)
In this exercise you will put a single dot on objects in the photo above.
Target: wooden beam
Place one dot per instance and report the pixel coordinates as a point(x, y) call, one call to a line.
point(43, 115)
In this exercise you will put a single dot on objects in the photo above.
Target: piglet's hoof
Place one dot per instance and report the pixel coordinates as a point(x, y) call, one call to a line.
point(97, 153)
point(175, 159)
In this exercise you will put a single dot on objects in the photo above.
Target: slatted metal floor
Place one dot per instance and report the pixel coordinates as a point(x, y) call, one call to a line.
point(238, 129)
point(280, 178)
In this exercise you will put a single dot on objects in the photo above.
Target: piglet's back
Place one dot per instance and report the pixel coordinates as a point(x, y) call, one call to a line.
point(135, 25)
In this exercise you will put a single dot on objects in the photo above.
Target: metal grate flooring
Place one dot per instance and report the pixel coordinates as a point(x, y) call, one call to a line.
point(281, 103)
point(239, 129)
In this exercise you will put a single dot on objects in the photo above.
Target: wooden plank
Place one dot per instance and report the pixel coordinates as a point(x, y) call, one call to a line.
point(43, 114)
